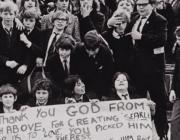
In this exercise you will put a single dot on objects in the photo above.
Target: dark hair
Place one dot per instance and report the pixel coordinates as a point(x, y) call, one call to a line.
point(115, 76)
point(69, 84)
point(65, 42)
point(150, 1)
point(8, 89)
point(92, 40)
point(42, 84)
point(177, 31)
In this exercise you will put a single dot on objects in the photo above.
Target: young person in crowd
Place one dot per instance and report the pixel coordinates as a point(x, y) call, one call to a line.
point(42, 93)
point(60, 65)
point(73, 24)
point(175, 91)
point(90, 18)
point(31, 36)
point(127, 5)
point(120, 44)
point(50, 36)
point(27, 4)
point(74, 90)
point(14, 57)
point(8, 97)
point(94, 63)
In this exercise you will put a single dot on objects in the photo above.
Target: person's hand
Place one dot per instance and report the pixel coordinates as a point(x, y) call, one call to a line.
point(12, 111)
point(69, 100)
point(172, 96)
point(114, 21)
point(136, 35)
point(24, 107)
point(39, 62)
point(94, 100)
point(152, 106)
point(12, 64)
point(85, 10)
point(24, 39)
point(22, 69)
point(19, 24)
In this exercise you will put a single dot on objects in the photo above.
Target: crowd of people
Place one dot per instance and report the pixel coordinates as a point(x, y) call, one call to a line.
point(85, 50)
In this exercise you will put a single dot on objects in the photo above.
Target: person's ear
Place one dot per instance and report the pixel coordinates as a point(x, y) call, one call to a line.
point(15, 98)
point(0, 99)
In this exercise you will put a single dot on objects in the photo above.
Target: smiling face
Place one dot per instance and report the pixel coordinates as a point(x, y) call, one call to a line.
point(42, 96)
point(64, 53)
point(8, 100)
point(121, 82)
point(29, 4)
point(7, 17)
point(79, 88)
point(60, 23)
point(144, 8)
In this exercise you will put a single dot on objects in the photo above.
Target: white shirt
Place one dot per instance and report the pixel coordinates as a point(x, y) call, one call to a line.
point(49, 44)
point(143, 22)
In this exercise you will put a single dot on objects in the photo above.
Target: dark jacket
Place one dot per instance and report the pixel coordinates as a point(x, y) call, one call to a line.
point(176, 77)
point(56, 71)
point(123, 52)
point(154, 35)
point(96, 72)
point(11, 48)
point(95, 20)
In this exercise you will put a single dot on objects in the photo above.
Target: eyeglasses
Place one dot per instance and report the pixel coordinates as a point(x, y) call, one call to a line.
point(142, 4)
point(61, 19)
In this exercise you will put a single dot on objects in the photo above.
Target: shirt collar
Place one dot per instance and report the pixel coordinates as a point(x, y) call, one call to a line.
point(6, 29)
point(116, 35)
point(67, 59)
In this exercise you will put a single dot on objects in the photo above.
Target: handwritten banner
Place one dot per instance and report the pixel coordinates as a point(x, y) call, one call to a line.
point(110, 120)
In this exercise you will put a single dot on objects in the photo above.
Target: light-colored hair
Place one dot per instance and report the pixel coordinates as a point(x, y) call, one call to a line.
point(9, 6)
point(58, 15)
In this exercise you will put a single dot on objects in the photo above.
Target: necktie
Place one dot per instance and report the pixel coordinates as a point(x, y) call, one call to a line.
point(8, 31)
point(65, 67)
point(140, 23)
point(52, 47)
point(125, 96)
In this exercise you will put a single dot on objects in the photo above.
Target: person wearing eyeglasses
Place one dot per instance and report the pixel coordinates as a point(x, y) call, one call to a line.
point(148, 31)
point(94, 63)
point(73, 24)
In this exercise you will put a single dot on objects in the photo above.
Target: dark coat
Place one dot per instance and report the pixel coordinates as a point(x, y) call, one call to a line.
point(169, 14)
point(96, 72)
point(176, 77)
point(11, 48)
point(56, 71)
point(154, 35)
point(123, 52)
point(95, 20)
